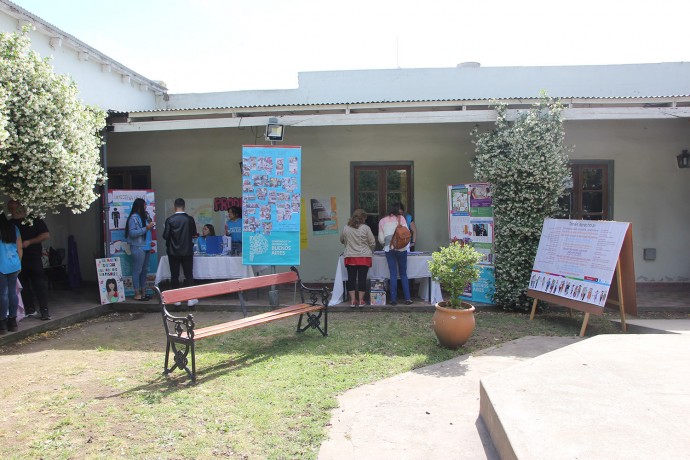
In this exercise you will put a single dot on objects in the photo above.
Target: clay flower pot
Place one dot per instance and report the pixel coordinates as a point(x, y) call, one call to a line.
point(453, 327)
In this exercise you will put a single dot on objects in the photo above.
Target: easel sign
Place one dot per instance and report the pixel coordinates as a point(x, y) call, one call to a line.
point(110, 286)
point(585, 265)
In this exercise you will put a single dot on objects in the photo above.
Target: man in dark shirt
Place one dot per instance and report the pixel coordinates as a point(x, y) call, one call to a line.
point(179, 230)
point(32, 277)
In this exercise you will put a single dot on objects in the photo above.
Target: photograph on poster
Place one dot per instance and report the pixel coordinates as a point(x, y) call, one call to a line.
point(480, 195)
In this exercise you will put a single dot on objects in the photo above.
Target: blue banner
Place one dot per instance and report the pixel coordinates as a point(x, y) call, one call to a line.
point(271, 202)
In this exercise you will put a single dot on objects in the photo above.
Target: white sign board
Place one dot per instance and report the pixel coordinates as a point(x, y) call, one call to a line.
point(576, 259)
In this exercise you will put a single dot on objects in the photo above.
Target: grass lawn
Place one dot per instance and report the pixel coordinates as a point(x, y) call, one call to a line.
point(95, 390)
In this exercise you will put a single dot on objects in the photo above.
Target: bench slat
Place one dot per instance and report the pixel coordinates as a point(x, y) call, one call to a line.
point(236, 325)
point(227, 287)
point(255, 317)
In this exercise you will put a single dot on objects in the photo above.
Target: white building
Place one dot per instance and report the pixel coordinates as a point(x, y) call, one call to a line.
point(627, 124)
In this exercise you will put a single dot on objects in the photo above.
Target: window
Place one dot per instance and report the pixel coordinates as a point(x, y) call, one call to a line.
point(129, 178)
point(591, 195)
point(376, 186)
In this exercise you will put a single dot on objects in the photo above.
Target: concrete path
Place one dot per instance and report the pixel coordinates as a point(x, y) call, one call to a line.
point(429, 413)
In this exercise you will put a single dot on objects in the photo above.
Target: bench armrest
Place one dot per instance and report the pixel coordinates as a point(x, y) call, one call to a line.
point(314, 294)
point(180, 326)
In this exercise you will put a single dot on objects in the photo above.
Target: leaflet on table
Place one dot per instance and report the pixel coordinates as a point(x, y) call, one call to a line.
point(271, 201)
point(576, 259)
point(119, 207)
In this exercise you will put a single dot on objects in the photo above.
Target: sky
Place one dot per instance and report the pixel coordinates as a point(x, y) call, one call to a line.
point(199, 46)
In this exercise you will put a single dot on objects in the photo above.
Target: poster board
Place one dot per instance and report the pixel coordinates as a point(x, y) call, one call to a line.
point(471, 221)
point(118, 207)
point(110, 286)
point(585, 265)
point(271, 201)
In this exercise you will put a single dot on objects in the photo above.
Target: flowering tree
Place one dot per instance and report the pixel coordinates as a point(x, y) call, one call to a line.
point(49, 140)
point(527, 165)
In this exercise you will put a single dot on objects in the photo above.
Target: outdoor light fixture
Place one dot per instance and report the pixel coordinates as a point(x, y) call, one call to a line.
point(683, 159)
point(274, 131)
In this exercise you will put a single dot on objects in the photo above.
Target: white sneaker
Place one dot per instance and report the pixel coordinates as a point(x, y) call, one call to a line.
point(192, 302)
point(177, 304)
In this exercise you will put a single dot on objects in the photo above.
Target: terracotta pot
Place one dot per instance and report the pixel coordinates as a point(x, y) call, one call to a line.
point(453, 327)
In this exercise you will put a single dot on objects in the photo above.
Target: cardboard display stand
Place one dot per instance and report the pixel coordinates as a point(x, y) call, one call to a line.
point(585, 257)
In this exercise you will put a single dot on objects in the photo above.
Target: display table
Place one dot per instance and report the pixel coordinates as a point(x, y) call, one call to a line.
point(212, 268)
point(417, 267)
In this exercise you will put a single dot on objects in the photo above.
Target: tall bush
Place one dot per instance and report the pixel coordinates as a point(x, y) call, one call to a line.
point(527, 165)
point(49, 140)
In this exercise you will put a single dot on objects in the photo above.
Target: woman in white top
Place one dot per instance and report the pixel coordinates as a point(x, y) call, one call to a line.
point(359, 245)
point(396, 258)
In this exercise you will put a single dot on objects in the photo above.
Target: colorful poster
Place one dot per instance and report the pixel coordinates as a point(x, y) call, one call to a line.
point(271, 204)
point(459, 200)
point(119, 207)
point(303, 238)
point(324, 216)
point(110, 286)
point(471, 221)
point(482, 290)
point(576, 259)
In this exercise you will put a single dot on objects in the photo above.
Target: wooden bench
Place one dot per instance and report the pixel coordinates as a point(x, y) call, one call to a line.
point(181, 330)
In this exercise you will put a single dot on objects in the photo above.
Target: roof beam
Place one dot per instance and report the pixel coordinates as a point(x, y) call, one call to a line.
point(467, 116)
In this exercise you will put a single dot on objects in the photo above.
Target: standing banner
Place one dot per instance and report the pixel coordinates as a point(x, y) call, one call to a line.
point(110, 286)
point(271, 204)
point(119, 207)
point(471, 221)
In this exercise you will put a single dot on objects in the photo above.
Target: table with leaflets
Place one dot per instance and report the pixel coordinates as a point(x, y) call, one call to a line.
point(212, 267)
point(417, 268)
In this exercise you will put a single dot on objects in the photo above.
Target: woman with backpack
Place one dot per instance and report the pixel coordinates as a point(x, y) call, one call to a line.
point(396, 243)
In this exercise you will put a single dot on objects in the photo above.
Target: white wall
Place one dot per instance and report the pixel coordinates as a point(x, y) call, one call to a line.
point(649, 190)
point(107, 90)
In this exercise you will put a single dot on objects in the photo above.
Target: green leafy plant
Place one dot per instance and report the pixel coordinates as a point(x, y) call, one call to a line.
point(527, 165)
point(454, 266)
point(49, 140)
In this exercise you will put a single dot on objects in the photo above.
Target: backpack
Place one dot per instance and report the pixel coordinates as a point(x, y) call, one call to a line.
point(401, 237)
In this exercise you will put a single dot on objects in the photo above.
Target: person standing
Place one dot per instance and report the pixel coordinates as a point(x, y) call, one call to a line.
point(32, 277)
point(359, 245)
point(10, 265)
point(178, 233)
point(396, 258)
point(233, 229)
point(137, 233)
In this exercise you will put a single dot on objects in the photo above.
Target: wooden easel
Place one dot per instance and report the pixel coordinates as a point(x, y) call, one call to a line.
point(622, 293)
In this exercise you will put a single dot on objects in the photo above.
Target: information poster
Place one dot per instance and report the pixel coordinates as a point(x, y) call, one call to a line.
point(324, 216)
point(110, 286)
point(471, 221)
point(271, 204)
point(119, 207)
point(576, 259)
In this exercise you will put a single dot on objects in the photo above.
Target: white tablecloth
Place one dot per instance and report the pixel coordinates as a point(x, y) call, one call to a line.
point(212, 268)
point(417, 267)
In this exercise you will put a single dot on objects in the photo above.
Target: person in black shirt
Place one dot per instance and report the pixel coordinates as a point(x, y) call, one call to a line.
point(32, 277)
point(179, 230)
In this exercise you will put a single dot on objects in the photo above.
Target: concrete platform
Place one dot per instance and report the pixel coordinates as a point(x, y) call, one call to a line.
point(607, 397)
point(428, 413)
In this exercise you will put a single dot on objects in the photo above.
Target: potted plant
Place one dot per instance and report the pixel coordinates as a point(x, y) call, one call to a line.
point(454, 267)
